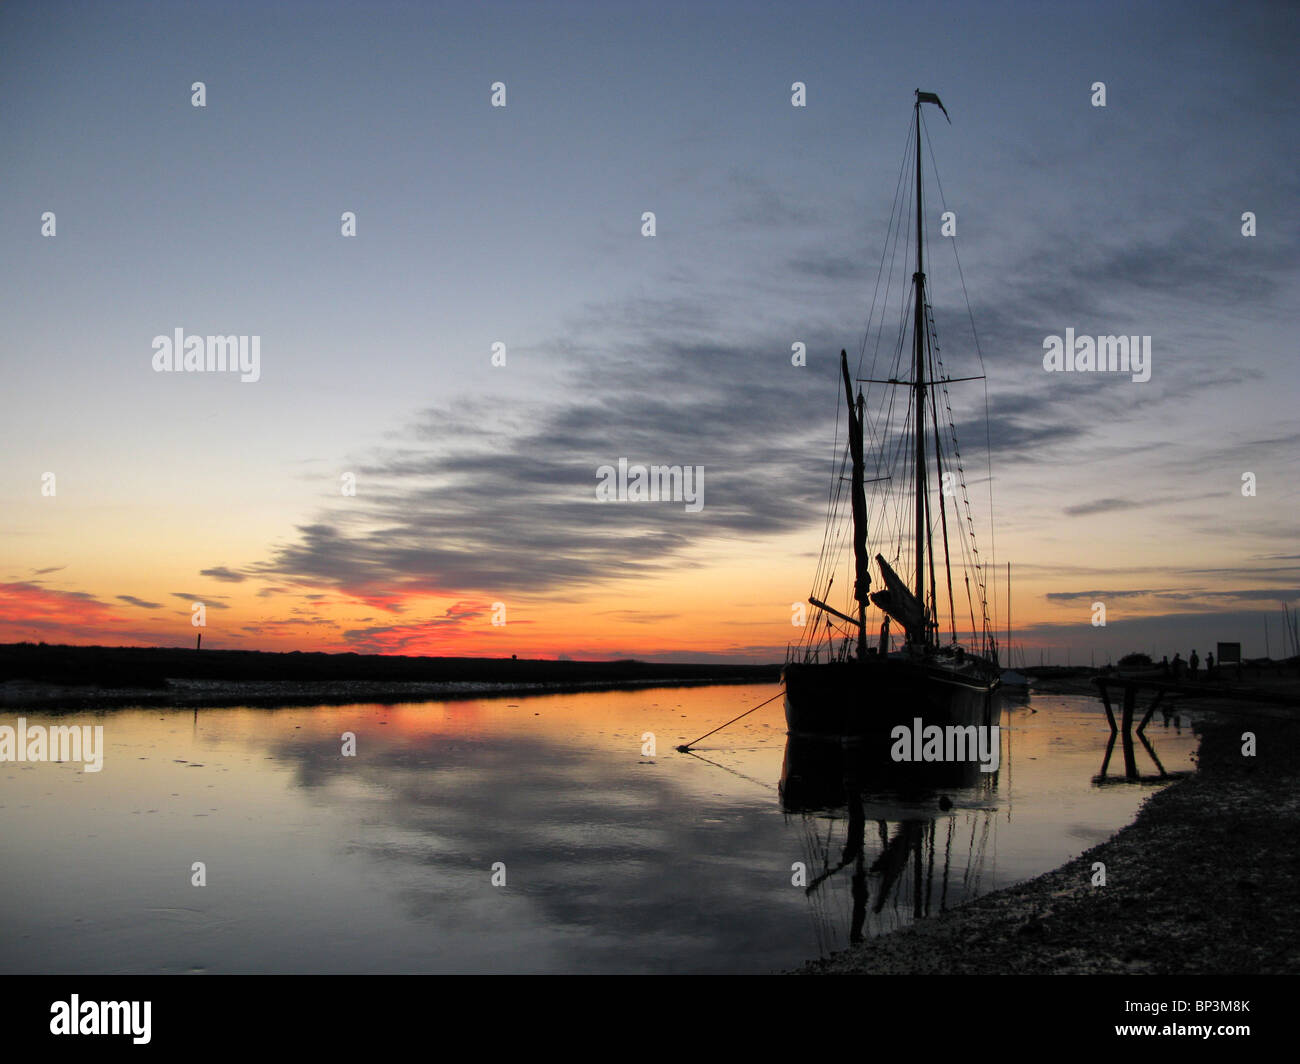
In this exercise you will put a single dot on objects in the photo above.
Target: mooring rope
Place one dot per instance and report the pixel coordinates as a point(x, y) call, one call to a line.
point(686, 747)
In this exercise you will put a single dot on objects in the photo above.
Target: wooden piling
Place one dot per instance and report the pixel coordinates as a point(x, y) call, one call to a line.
point(1126, 731)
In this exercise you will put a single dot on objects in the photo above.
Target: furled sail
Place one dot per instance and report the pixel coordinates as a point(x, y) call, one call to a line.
point(897, 601)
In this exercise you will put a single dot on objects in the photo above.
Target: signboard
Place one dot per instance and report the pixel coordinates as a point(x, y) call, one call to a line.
point(1229, 654)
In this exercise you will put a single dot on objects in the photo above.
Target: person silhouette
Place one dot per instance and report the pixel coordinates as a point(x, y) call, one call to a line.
point(1178, 666)
point(1193, 662)
point(1164, 665)
point(1209, 665)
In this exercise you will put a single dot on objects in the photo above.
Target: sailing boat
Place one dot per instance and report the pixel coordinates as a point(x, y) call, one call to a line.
point(852, 685)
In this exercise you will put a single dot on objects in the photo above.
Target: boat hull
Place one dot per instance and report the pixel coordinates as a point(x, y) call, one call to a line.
point(867, 700)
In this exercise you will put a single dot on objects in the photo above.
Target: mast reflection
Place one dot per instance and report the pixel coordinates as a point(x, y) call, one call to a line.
point(934, 832)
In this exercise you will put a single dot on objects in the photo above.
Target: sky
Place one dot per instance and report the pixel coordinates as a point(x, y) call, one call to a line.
point(383, 486)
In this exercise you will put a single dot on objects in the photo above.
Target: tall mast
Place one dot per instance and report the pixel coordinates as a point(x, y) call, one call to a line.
point(918, 376)
point(861, 564)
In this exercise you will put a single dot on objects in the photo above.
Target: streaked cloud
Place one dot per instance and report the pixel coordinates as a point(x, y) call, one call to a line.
point(220, 572)
point(141, 603)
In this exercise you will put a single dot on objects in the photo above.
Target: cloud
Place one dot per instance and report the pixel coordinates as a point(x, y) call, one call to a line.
point(434, 634)
point(498, 498)
point(503, 502)
point(22, 588)
point(1269, 594)
point(830, 268)
point(1102, 506)
point(82, 596)
point(210, 601)
point(29, 611)
point(638, 617)
point(220, 572)
point(1156, 633)
point(290, 622)
point(501, 499)
point(132, 600)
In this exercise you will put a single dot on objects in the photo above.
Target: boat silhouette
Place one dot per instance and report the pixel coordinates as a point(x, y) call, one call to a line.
point(841, 681)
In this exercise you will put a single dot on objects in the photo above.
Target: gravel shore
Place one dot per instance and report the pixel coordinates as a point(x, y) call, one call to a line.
point(1204, 881)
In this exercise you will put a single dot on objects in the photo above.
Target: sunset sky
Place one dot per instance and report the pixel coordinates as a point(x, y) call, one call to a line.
point(475, 483)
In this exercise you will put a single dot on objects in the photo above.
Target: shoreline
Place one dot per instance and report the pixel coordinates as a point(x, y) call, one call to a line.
point(1201, 882)
point(268, 694)
point(41, 677)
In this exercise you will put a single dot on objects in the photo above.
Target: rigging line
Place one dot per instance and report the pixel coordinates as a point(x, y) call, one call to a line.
point(943, 515)
point(832, 490)
point(902, 460)
point(829, 547)
point(898, 458)
point(972, 562)
point(829, 561)
point(970, 521)
point(932, 357)
point(893, 237)
point(971, 603)
point(967, 561)
point(886, 405)
point(988, 428)
point(927, 354)
point(884, 253)
point(833, 509)
point(929, 534)
point(898, 241)
point(986, 637)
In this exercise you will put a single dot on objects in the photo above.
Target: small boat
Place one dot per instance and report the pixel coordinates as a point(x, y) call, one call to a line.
point(840, 681)
point(1014, 679)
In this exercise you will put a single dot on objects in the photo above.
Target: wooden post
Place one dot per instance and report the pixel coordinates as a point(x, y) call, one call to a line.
point(1105, 761)
point(1110, 713)
point(1150, 710)
point(1126, 732)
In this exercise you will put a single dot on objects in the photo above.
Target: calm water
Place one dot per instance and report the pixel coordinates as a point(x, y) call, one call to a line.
point(613, 861)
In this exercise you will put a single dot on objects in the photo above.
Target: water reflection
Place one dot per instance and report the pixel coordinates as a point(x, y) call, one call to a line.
point(892, 831)
point(615, 861)
point(1131, 772)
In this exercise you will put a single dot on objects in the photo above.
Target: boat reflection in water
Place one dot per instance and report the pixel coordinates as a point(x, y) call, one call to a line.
point(905, 840)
